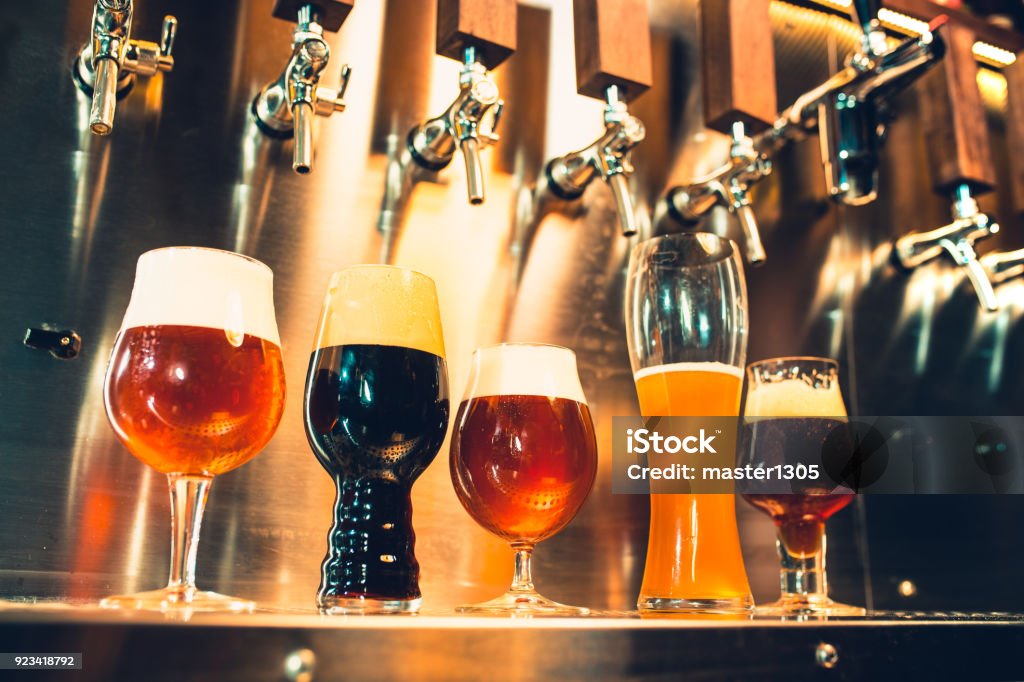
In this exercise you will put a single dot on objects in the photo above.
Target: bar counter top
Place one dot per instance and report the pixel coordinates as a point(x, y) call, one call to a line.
point(296, 645)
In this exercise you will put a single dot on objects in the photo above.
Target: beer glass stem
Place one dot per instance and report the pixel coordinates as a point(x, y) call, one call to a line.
point(803, 577)
point(522, 578)
point(188, 500)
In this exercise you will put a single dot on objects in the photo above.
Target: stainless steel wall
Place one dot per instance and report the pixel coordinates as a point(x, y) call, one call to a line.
point(80, 518)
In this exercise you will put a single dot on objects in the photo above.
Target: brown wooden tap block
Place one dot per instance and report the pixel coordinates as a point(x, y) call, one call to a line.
point(487, 25)
point(331, 13)
point(737, 64)
point(1014, 74)
point(613, 47)
point(955, 130)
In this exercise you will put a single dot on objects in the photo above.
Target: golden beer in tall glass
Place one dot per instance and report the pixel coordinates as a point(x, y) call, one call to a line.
point(686, 322)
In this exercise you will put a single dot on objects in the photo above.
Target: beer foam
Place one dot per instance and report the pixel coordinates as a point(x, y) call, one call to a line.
point(794, 398)
point(525, 369)
point(200, 287)
point(717, 367)
point(381, 305)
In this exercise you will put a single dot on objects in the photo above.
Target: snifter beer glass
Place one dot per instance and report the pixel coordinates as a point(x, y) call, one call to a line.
point(376, 413)
point(686, 324)
point(794, 407)
point(194, 388)
point(523, 458)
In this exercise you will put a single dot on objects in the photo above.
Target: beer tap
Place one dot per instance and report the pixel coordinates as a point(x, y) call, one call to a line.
point(481, 35)
point(468, 124)
point(107, 66)
point(607, 157)
point(1002, 266)
point(738, 74)
point(613, 64)
point(847, 109)
point(284, 108)
point(961, 166)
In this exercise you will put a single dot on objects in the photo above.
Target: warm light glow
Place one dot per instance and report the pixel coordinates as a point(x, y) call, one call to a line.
point(896, 21)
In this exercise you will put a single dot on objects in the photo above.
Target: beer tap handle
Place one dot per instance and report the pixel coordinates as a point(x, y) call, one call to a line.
point(1014, 74)
point(613, 47)
point(331, 14)
point(168, 32)
point(956, 132)
point(487, 26)
point(737, 65)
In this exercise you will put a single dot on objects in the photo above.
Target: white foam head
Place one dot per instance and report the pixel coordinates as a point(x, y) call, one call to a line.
point(381, 305)
point(794, 387)
point(199, 287)
point(525, 369)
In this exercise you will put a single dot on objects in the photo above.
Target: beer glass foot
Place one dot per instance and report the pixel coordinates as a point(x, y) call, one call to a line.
point(338, 606)
point(178, 599)
point(742, 605)
point(522, 604)
point(808, 605)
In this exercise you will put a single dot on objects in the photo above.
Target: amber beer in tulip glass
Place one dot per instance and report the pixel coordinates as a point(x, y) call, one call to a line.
point(194, 388)
point(523, 458)
point(376, 413)
point(686, 322)
point(794, 411)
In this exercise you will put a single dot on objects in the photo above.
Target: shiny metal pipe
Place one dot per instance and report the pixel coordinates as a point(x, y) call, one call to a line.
point(104, 96)
point(302, 154)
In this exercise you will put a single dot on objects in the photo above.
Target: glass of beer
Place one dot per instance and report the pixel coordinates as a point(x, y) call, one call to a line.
point(686, 325)
point(376, 413)
point(523, 458)
point(795, 410)
point(194, 388)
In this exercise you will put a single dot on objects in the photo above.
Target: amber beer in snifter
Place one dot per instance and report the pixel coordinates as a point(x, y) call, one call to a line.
point(523, 458)
point(376, 413)
point(194, 388)
point(686, 325)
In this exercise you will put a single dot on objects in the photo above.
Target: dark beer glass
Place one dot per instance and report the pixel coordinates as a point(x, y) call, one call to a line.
point(793, 408)
point(376, 413)
point(194, 388)
point(523, 458)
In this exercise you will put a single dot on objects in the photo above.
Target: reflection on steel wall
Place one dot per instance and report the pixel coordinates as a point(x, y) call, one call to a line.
point(80, 518)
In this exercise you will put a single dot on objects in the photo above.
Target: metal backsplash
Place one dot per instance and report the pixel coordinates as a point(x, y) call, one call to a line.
point(80, 518)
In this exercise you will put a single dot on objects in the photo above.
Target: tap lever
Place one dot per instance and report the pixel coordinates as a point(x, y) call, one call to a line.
point(285, 107)
point(957, 239)
point(432, 144)
point(107, 65)
point(613, 47)
point(487, 26)
point(607, 157)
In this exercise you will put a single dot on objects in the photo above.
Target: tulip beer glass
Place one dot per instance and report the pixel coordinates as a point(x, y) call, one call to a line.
point(194, 388)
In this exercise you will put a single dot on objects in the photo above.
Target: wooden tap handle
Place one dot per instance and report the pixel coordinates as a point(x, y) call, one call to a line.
point(1014, 74)
point(737, 64)
point(613, 47)
point(489, 26)
point(332, 13)
point(956, 133)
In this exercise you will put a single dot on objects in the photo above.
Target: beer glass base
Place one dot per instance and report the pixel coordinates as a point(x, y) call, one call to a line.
point(175, 599)
point(523, 604)
point(801, 605)
point(742, 605)
point(338, 606)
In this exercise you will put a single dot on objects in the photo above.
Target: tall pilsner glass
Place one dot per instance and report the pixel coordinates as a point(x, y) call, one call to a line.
point(686, 322)
point(376, 413)
point(794, 410)
point(194, 388)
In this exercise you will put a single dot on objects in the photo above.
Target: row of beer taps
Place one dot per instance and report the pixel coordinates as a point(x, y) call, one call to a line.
point(848, 111)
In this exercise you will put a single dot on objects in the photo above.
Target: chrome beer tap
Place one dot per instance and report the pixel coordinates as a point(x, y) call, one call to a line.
point(468, 124)
point(108, 64)
point(285, 107)
point(608, 157)
point(727, 186)
point(956, 239)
